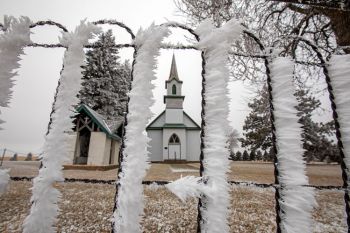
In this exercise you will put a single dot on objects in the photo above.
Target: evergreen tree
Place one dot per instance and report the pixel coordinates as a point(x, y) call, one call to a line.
point(252, 156)
point(232, 156)
point(257, 125)
point(316, 136)
point(271, 155)
point(265, 156)
point(259, 155)
point(105, 81)
point(238, 156)
point(245, 156)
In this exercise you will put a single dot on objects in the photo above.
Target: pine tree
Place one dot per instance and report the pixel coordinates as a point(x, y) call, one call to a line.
point(257, 125)
point(245, 156)
point(316, 136)
point(265, 156)
point(238, 156)
point(271, 155)
point(252, 156)
point(232, 155)
point(105, 81)
point(259, 155)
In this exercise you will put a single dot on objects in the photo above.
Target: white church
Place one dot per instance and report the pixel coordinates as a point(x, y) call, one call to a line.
point(174, 134)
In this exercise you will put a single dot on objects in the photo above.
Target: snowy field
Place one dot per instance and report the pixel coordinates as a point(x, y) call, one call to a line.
point(88, 207)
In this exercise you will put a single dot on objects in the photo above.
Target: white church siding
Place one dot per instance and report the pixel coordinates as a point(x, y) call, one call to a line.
point(193, 142)
point(181, 133)
point(174, 103)
point(174, 116)
point(156, 145)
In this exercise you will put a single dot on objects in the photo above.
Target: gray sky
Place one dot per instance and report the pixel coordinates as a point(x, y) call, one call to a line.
point(28, 114)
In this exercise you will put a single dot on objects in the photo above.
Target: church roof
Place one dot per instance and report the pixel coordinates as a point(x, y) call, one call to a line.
point(173, 70)
point(105, 126)
point(159, 123)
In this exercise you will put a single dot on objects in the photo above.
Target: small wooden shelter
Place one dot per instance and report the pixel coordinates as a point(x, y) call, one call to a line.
point(94, 140)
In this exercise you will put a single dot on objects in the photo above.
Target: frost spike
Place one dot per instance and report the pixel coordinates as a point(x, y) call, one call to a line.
point(130, 207)
point(296, 201)
point(45, 198)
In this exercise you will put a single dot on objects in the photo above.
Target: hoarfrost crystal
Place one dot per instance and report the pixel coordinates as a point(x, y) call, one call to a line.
point(296, 201)
point(339, 71)
point(128, 215)
point(45, 197)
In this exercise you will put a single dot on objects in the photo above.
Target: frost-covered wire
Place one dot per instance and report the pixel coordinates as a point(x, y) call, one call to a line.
point(187, 186)
point(339, 71)
point(45, 197)
point(215, 42)
point(12, 42)
point(4, 180)
point(296, 201)
point(130, 207)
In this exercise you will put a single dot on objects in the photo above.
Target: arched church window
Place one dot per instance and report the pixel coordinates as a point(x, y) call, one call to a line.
point(174, 139)
point(173, 91)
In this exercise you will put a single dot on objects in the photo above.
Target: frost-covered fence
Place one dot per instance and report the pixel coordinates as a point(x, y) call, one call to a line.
point(12, 43)
point(295, 200)
point(292, 193)
point(129, 208)
point(339, 70)
point(45, 197)
point(212, 187)
point(215, 43)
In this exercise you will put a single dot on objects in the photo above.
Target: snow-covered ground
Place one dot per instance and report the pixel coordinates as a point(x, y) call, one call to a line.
point(88, 208)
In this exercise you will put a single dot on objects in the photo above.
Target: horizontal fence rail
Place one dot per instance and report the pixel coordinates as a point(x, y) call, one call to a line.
point(162, 182)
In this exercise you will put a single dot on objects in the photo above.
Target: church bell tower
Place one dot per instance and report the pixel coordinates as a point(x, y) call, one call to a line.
point(174, 98)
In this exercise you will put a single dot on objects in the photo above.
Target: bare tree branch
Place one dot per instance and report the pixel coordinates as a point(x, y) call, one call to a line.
point(343, 5)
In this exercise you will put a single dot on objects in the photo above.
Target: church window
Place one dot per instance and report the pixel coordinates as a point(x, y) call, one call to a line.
point(174, 139)
point(173, 91)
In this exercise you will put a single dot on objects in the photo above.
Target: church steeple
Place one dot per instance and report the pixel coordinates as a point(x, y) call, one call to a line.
point(173, 70)
point(174, 98)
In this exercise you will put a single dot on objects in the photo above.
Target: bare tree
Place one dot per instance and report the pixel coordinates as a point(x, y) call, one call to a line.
point(232, 140)
point(278, 23)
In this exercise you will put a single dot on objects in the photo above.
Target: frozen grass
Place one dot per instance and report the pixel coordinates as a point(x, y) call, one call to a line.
point(88, 208)
point(260, 172)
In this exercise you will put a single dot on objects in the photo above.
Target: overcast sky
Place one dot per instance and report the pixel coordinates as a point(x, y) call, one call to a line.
point(28, 114)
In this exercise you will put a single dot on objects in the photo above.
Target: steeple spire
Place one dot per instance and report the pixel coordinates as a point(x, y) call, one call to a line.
point(173, 70)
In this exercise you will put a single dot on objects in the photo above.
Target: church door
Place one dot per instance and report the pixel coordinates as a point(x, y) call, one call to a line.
point(174, 148)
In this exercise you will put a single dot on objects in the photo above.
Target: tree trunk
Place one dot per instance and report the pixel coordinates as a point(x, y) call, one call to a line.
point(340, 21)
